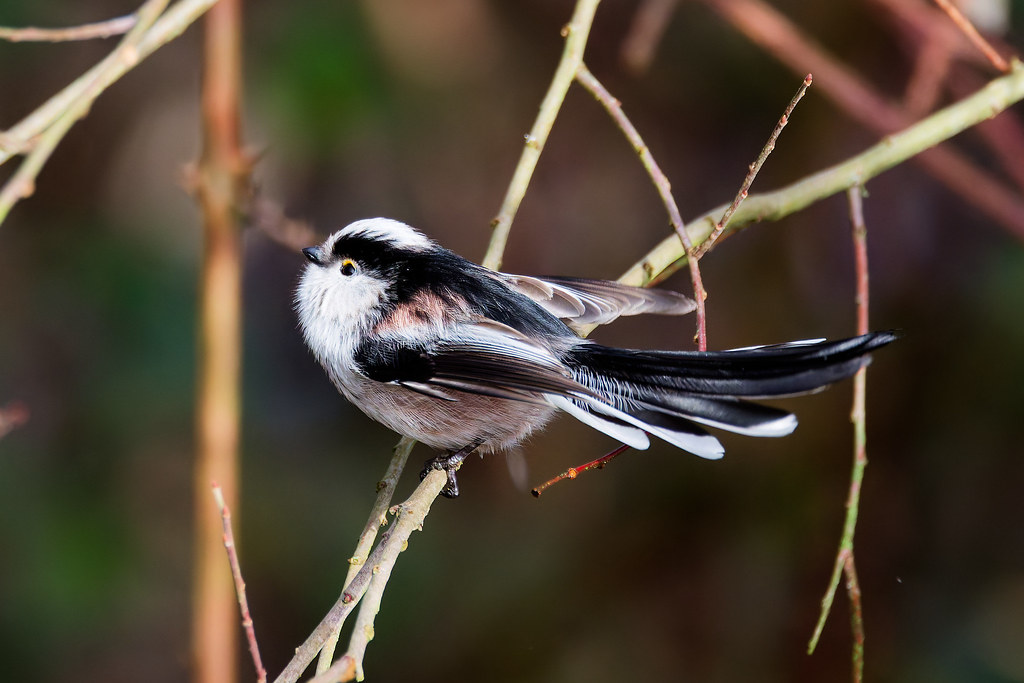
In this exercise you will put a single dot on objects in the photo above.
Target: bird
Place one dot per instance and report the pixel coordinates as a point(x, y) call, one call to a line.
point(466, 359)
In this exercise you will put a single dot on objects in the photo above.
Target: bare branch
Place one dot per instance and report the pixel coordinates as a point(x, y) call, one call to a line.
point(967, 28)
point(236, 574)
point(99, 29)
point(661, 183)
point(576, 33)
point(755, 167)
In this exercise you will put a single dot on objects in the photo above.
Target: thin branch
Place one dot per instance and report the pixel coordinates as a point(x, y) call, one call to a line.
point(661, 183)
point(378, 518)
point(236, 574)
point(22, 183)
point(409, 518)
point(667, 256)
point(768, 28)
point(99, 29)
point(576, 33)
point(844, 556)
point(574, 472)
point(755, 168)
point(967, 28)
point(269, 218)
point(220, 189)
point(170, 25)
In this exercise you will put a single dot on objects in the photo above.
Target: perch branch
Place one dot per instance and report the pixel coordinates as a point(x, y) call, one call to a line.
point(667, 256)
point(378, 518)
point(409, 517)
point(99, 29)
point(236, 574)
point(844, 556)
point(661, 183)
point(576, 33)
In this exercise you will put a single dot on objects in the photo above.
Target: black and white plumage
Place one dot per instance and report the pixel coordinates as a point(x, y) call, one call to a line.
point(464, 358)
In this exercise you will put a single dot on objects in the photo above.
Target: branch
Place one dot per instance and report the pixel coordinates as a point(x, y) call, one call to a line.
point(409, 517)
point(845, 557)
point(378, 518)
point(755, 167)
point(772, 31)
point(576, 33)
point(236, 574)
point(170, 25)
point(667, 256)
point(661, 183)
point(220, 189)
point(967, 28)
point(99, 29)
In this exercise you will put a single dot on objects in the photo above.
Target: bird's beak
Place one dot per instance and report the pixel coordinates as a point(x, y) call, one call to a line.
point(314, 255)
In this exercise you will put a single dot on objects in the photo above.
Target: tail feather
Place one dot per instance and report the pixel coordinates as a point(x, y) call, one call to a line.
point(780, 370)
point(667, 392)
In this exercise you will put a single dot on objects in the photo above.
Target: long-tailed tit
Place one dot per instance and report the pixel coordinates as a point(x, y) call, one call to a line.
point(463, 358)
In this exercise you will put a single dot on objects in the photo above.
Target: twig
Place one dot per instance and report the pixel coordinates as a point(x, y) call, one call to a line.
point(574, 472)
point(220, 187)
point(236, 574)
point(972, 34)
point(170, 25)
point(269, 218)
point(576, 33)
point(614, 108)
point(776, 34)
point(99, 29)
point(844, 556)
point(649, 24)
point(409, 518)
point(378, 518)
point(752, 172)
point(12, 416)
point(667, 256)
point(22, 183)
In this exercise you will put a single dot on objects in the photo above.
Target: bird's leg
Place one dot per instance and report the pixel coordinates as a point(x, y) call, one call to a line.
point(450, 463)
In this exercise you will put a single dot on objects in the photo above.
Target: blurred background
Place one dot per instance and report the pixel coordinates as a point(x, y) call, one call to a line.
point(661, 567)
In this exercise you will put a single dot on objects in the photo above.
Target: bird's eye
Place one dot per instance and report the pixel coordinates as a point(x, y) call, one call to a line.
point(348, 267)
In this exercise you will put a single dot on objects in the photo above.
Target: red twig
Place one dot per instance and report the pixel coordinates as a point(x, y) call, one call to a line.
point(574, 472)
point(614, 108)
point(755, 167)
point(856, 617)
point(649, 24)
point(972, 35)
point(236, 573)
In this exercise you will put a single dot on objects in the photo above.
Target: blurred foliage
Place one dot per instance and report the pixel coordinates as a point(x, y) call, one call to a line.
point(661, 567)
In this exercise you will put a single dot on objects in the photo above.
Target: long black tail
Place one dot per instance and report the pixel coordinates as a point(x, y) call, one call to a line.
point(669, 391)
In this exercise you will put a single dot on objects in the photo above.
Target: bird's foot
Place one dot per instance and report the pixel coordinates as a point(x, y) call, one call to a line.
point(449, 463)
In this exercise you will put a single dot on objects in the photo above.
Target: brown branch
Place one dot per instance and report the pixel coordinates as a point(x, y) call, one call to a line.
point(269, 218)
point(967, 28)
point(755, 167)
point(856, 617)
point(661, 183)
point(220, 187)
point(236, 574)
point(99, 29)
point(768, 28)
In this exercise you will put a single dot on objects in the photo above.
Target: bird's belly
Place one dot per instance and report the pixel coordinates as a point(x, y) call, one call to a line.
point(450, 425)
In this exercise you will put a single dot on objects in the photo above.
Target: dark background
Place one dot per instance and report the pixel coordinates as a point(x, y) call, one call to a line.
point(662, 567)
